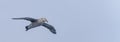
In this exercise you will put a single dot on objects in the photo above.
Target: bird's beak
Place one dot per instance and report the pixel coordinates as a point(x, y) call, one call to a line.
point(47, 21)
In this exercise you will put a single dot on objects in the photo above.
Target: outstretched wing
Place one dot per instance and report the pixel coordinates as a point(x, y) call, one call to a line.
point(50, 27)
point(26, 18)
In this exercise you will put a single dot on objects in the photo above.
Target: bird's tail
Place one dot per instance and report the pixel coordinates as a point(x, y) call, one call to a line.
point(27, 28)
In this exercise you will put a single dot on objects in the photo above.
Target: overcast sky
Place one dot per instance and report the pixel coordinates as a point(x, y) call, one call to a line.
point(74, 20)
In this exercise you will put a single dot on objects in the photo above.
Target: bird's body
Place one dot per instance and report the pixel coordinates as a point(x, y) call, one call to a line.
point(38, 22)
point(33, 25)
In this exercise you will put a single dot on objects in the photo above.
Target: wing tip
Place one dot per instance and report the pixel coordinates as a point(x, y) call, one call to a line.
point(15, 18)
point(54, 32)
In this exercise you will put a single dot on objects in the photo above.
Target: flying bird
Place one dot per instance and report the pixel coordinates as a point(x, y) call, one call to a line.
point(36, 23)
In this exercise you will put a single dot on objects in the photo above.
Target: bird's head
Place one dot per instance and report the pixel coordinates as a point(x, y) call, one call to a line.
point(43, 20)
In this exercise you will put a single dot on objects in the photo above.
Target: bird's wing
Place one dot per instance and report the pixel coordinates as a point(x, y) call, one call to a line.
point(26, 18)
point(50, 27)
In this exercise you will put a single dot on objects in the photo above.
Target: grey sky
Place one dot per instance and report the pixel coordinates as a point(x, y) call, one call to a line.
point(74, 20)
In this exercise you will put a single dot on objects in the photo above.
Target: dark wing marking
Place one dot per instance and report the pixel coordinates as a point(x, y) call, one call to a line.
point(27, 18)
point(50, 27)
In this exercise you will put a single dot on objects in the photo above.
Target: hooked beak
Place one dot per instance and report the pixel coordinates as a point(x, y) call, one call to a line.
point(46, 20)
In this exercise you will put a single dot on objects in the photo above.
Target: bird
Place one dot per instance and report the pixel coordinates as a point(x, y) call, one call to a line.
point(37, 22)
